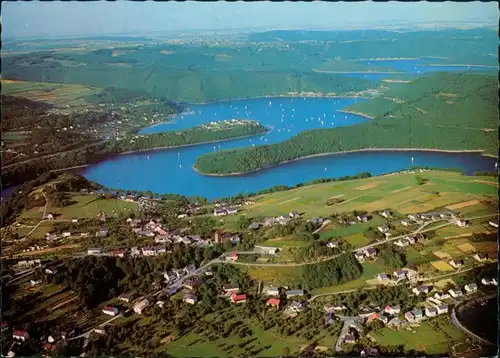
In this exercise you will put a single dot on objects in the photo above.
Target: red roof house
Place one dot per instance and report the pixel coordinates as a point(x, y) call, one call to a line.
point(275, 302)
point(20, 334)
point(238, 298)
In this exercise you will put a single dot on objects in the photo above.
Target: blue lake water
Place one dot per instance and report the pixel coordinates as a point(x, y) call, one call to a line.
point(170, 170)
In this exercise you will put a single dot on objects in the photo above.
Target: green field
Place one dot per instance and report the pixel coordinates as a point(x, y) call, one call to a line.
point(311, 200)
point(276, 275)
point(85, 206)
point(423, 338)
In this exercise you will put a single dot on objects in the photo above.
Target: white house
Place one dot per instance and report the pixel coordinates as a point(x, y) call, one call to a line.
point(456, 263)
point(455, 293)
point(271, 291)
point(430, 311)
point(494, 224)
point(441, 295)
point(442, 309)
point(386, 214)
point(93, 251)
point(141, 305)
point(461, 223)
point(66, 234)
point(359, 256)
point(405, 223)
point(487, 282)
point(392, 310)
point(191, 299)
point(470, 288)
point(382, 277)
point(295, 307)
point(384, 229)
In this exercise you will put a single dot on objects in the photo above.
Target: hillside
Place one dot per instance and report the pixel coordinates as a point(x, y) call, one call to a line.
point(419, 115)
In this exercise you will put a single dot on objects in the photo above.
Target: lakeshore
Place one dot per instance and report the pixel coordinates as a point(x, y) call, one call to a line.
point(346, 152)
point(357, 114)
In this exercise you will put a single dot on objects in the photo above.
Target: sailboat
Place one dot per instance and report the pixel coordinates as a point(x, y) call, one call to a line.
point(270, 103)
point(326, 169)
point(412, 159)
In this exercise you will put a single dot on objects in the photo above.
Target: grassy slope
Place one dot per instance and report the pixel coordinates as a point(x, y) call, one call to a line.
point(424, 120)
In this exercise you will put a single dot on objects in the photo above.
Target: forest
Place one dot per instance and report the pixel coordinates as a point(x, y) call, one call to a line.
point(444, 126)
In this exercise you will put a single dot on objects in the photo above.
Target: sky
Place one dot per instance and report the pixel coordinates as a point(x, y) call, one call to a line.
point(52, 19)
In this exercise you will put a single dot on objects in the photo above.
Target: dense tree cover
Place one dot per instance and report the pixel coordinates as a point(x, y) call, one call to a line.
point(90, 154)
point(199, 134)
point(313, 250)
point(391, 257)
point(328, 273)
point(18, 111)
point(444, 126)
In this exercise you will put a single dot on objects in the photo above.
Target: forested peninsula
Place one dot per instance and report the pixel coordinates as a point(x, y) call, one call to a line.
point(214, 132)
point(442, 111)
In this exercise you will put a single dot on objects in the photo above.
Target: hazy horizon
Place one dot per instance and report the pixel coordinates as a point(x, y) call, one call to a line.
point(70, 19)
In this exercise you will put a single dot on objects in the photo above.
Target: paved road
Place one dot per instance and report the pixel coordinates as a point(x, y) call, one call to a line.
point(86, 335)
point(459, 325)
point(20, 277)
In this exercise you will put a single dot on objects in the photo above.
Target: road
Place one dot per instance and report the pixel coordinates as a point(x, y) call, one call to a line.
point(459, 325)
point(20, 277)
point(86, 334)
point(348, 322)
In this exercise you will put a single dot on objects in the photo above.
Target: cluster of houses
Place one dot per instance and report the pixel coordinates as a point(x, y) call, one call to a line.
point(221, 210)
point(397, 276)
point(279, 220)
point(409, 240)
point(427, 217)
point(366, 254)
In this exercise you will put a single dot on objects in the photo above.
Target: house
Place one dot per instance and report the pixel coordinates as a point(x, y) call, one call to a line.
point(293, 214)
point(229, 288)
point(233, 257)
point(418, 314)
point(430, 311)
point(182, 216)
point(421, 289)
point(191, 299)
point(110, 311)
point(384, 229)
point(329, 318)
point(192, 284)
point(363, 218)
point(481, 257)
point(332, 244)
point(399, 274)
point(382, 277)
point(100, 331)
point(371, 252)
point(294, 293)
point(338, 307)
point(50, 216)
point(141, 305)
point(369, 352)
point(169, 276)
point(442, 309)
point(220, 212)
point(266, 250)
point(456, 263)
point(53, 338)
point(487, 282)
point(160, 303)
point(20, 335)
point(271, 291)
point(232, 210)
point(494, 224)
point(161, 239)
point(383, 318)
point(103, 232)
point(441, 295)
point(395, 322)
point(273, 302)
point(269, 222)
point(66, 234)
point(374, 316)
point(409, 317)
point(401, 243)
point(349, 338)
point(126, 297)
point(366, 312)
point(392, 310)
point(118, 253)
point(405, 222)
point(295, 307)
point(359, 256)
point(235, 298)
point(470, 288)
point(386, 214)
point(317, 221)
point(254, 226)
point(35, 282)
point(410, 240)
point(462, 223)
point(51, 237)
point(455, 293)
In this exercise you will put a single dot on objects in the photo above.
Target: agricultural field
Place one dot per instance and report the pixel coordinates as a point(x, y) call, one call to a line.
point(424, 338)
point(400, 193)
point(60, 95)
point(84, 206)
point(280, 275)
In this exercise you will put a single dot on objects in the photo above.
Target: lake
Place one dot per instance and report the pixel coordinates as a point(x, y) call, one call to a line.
point(170, 170)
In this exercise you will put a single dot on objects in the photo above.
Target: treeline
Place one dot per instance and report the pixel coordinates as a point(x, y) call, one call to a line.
point(328, 273)
point(445, 127)
point(100, 151)
point(193, 135)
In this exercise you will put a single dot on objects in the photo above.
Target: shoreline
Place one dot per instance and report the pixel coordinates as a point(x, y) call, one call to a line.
point(192, 144)
point(361, 72)
point(345, 152)
point(356, 113)
point(288, 95)
point(457, 65)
